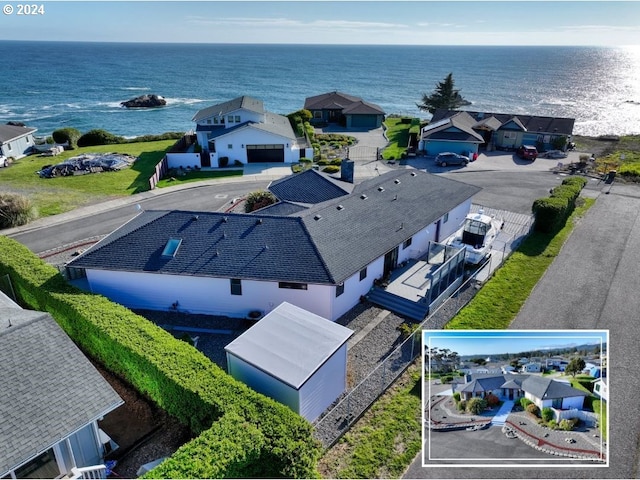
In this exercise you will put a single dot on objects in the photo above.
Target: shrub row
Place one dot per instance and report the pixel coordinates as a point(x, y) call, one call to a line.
point(552, 212)
point(252, 434)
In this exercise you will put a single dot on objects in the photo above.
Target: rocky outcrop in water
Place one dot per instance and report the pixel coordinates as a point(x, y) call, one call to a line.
point(145, 101)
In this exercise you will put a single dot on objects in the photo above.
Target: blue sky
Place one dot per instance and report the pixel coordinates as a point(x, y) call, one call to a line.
point(483, 342)
point(332, 22)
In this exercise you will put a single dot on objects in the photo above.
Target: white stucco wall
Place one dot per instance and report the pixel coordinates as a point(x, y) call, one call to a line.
point(573, 402)
point(206, 295)
point(455, 220)
point(248, 135)
point(184, 160)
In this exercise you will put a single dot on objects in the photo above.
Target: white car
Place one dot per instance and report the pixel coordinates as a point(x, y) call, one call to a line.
point(555, 154)
point(3, 161)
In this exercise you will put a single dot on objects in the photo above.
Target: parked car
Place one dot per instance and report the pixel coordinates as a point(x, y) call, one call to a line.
point(450, 158)
point(527, 152)
point(555, 154)
point(3, 161)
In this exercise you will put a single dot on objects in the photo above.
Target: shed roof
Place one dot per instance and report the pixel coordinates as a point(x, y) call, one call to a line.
point(290, 344)
point(49, 388)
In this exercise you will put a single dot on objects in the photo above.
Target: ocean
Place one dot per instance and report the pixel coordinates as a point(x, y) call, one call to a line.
point(50, 85)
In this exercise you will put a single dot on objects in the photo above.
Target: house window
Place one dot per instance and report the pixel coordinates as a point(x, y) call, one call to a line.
point(215, 121)
point(237, 118)
point(208, 121)
point(236, 286)
point(445, 219)
point(292, 286)
point(407, 243)
point(363, 273)
point(229, 146)
point(317, 114)
point(230, 119)
point(339, 289)
point(509, 135)
point(43, 466)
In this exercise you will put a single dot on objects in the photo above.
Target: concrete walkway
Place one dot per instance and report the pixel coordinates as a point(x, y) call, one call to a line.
point(501, 417)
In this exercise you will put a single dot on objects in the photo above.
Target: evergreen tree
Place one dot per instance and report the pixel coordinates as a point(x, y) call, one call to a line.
point(575, 366)
point(444, 96)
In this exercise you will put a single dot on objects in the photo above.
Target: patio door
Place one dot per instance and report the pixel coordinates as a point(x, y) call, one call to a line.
point(390, 261)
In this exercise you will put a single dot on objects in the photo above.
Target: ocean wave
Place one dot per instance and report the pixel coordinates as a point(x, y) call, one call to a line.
point(183, 101)
point(135, 88)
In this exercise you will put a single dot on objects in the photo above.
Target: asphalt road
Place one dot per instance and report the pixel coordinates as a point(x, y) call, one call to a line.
point(97, 220)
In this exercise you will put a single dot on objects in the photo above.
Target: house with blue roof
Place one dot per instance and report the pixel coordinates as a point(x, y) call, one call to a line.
point(242, 130)
point(319, 250)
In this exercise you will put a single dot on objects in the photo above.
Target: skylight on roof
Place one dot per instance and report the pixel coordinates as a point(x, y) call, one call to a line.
point(171, 248)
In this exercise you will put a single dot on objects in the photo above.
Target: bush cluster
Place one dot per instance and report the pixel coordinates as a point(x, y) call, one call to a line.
point(15, 210)
point(552, 212)
point(331, 169)
point(241, 433)
point(257, 200)
point(67, 135)
point(99, 137)
point(525, 402)
point(533, 409)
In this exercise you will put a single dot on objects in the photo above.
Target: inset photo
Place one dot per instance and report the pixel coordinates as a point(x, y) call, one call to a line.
point(519, 398)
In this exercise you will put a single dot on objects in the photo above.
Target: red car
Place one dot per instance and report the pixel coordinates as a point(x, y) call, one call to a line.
point(527, 152)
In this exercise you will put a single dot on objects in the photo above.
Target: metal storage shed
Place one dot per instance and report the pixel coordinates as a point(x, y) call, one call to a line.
point(293, 356)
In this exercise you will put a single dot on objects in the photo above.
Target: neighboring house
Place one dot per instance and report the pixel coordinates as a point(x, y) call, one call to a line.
point(543, 391)
point(52, 398)
point(507, 369)
point(16, 141)
point(347, 110)
point(241, 129)
point(593, 368)
point(293, 356)
point(466, 132)
point(321, 257)
point(601, 388)
point(556, 363)
point(531, 367)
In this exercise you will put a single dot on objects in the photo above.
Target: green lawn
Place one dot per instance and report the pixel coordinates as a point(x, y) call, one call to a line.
point(197, 176)
point(51, 196)
point(597, 405)
point(386, 440)
point(398, 134)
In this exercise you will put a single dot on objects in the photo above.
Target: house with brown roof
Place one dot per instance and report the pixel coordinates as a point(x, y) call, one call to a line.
point(347, 110)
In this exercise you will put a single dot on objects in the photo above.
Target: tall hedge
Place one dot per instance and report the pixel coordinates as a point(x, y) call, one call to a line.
point(228, 415)
point(552, 212)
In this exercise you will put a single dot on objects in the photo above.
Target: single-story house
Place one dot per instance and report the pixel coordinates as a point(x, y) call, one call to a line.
point(293, 356)
point(52, 399)
point(321, 257)
point(557, 363)
point(347, 110)
point(468, 132)
point(242, 130)
point(16, 141)
point(543, 391)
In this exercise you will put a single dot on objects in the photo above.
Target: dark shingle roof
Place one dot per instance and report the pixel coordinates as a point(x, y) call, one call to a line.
point(458, 127)
point(545, 388)
point(323, 244)
point(309, 187)
point(248, 103)
point(532, 123)
point(49, 388)
point(11, 132)
point(349, 104)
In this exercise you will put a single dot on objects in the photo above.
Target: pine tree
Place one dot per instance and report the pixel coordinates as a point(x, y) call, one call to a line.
point(444, 96)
